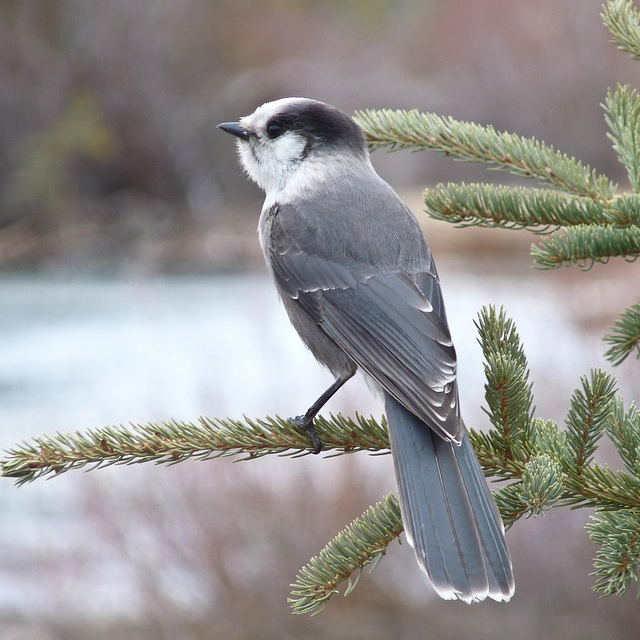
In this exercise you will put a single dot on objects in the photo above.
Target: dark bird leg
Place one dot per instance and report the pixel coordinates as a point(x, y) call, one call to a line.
point(306, 421)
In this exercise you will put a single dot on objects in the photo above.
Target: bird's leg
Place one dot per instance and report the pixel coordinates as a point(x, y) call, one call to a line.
point(306, 421)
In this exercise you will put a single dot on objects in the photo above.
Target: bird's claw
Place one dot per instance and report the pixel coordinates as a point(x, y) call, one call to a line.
point(306, 423)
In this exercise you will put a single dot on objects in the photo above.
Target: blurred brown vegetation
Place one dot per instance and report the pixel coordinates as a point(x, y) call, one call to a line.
point(207, 551)
point(108, 147)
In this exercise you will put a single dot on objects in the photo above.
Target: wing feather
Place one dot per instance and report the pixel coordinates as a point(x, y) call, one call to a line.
point(398, 347)
point(378, 314)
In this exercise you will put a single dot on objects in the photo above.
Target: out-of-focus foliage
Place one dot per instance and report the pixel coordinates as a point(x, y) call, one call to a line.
point(157, 77)
point(45, 177)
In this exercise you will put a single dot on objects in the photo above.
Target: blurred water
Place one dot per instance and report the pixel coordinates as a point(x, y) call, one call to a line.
point(82, 353)
point(90, 352)
point(76, 354)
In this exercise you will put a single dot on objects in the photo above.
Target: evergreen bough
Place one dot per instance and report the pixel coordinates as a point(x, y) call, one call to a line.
point(586, 219)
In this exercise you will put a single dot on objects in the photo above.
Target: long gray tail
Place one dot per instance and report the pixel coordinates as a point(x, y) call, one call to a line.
point(450, 517)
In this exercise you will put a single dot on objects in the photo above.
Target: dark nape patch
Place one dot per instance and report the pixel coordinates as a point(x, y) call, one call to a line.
point(324, 123)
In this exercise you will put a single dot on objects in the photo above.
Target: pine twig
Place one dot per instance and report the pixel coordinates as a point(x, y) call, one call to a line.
point(624, 337)
point(589, 410)
point(525, 157)
point(507, 390)
point(587, 244)
point(623, 427)
point(358, 545)
point(623, 21)
point(623, 210)
point(622, 113)
point(617, 561)
point(492, 205)
point(172, 442)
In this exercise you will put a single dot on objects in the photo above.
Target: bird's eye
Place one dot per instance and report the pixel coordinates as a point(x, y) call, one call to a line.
point(274, 130)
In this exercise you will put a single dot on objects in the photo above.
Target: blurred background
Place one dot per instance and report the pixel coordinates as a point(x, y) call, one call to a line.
point(132, 289)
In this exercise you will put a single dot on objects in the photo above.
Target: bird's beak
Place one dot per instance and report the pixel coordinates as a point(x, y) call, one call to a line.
point(235, 129)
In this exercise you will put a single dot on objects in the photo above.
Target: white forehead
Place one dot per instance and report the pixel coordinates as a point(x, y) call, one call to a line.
point(259, 118)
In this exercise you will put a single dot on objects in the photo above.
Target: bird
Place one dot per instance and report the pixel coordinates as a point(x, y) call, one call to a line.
point(359, 285)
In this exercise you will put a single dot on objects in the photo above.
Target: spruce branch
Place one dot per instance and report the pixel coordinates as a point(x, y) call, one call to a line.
point(172, 442)
point(597, 486)
point(618, 559)
point(601, 488)
point(587, 244)
point(507, 390)
point(494, 460)
point(623, 21)
point(359, 544)
point(624, 337)
point(542, 484)
point(498, 335)
point(547, 438)
point(507, 457)
point(588, 412)
point(623, 427)
point(492, 205)
point(622, 113)
point(525, 157)
point(623, 210)
point(511, 504)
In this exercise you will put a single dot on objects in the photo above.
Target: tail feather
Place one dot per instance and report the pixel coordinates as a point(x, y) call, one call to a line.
point(450, 516)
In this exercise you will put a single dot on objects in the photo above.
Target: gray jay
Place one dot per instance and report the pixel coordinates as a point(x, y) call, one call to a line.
point(360, 286)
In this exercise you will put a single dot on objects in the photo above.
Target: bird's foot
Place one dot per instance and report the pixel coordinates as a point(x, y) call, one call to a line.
point(306, 423)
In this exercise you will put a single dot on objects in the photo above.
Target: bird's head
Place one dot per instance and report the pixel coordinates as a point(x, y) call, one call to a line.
point(295, 140)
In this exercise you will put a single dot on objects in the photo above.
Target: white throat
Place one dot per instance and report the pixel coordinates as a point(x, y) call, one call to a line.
point(271, 165)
